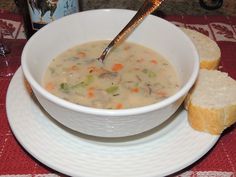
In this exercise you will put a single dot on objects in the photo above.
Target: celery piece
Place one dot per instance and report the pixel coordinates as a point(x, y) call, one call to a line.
point(145, 71)
point(112, 89)
point(151, 74)
point(52, 70)
point(64, 87)
point(88, 80)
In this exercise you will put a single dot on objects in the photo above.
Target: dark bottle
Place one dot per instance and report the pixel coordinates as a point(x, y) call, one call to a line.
point(211, 5)
point(38, 13)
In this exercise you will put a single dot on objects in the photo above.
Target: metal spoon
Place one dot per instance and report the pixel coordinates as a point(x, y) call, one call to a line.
point(148, 7)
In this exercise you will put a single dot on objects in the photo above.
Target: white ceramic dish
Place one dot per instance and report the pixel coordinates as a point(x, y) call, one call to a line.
point(161, 152)
point(75, 29)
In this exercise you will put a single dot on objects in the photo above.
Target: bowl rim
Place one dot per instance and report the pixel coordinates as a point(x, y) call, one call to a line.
point(109, 112)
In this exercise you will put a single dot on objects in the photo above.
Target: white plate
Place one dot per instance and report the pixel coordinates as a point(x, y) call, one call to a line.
point(159, 152)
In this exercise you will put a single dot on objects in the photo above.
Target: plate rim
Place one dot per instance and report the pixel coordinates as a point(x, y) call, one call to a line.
point(19, 74)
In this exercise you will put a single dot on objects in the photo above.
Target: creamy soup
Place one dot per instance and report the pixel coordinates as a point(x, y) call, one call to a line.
point(131, 76)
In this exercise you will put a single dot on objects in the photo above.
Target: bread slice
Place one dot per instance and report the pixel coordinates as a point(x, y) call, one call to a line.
point(208, 49)
point(212, 102)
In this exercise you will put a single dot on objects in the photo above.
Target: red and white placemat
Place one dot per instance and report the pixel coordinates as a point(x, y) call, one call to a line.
point(219, 161)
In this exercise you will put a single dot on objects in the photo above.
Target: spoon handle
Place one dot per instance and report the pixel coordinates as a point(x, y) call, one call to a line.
point(148, 7)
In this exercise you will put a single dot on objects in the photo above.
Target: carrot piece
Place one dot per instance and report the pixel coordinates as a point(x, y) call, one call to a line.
point(154, 61)
point(127, 47)
point(49, 86)
point(117, 67)
point(74, 68)
point(119, 106)
point(95, 69)
point(90, 92)
point(81, 54)
point(91, 69)
point(135, 90)
point(162, 94)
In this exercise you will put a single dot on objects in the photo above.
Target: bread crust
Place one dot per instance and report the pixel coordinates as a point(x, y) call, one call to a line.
point(211, 120)
point(205, 44)
point(209, 64)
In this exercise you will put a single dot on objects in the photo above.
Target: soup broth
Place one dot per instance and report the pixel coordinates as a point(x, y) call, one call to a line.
point(131, 76)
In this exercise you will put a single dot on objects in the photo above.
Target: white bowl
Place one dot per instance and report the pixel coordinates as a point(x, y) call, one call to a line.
point(153, 32)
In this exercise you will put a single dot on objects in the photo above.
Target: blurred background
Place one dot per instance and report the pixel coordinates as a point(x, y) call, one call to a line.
point(170, 7)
